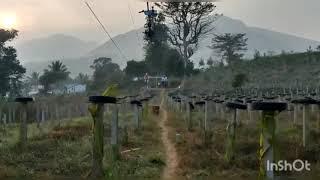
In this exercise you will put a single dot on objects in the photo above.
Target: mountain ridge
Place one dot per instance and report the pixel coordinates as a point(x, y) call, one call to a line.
point(131, 44)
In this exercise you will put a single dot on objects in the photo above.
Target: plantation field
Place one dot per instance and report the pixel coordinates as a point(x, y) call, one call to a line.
point(64, 152)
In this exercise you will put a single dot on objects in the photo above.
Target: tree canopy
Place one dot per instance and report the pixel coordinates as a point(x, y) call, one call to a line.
point(56, 73)
point(11, 71)
point(230, 46)
point(105, 73)
point(189, 21)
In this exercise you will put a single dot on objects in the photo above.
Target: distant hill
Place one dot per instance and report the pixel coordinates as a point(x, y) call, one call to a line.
point(131, 43)
point(54, 47)
point(258, 39)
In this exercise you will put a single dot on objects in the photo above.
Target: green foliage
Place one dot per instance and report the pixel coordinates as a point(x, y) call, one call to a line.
point(239, 80)
point(160, 58)
point(82, 78)
point(135, 68)
point(286, 70)
point(201, 62)
point(256, 55)
point(33, 79)
point(56, 73)
point(210, 62)
point(160, 30)
point(11, 71)
point(230, 46)
point(105, 73)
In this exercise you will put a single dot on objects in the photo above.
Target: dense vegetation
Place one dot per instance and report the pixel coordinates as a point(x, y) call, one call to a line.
point(282, 71)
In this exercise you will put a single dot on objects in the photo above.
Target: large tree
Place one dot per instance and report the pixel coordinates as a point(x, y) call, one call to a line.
point(11, 71)
point(136, 68)
point(188, 22)
point(230, 46)
point(160, 58)
point(105, 73)
point(56, 73)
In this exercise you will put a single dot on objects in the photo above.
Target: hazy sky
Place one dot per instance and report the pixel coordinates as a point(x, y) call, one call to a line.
point(38, 18)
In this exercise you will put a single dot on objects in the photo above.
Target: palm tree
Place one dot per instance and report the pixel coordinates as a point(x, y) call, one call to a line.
point(82, 78)
point(58, 66)
point(56, 73)
point(33, 79)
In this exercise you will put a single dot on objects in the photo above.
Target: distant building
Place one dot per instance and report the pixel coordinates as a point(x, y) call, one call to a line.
point(75, 88)
point(35, 90)
point(70, 89)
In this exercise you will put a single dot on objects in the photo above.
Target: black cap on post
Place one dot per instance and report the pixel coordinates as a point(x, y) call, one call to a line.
point(236, 105)
point(102, 100)
point(24, 100)
point(269, 106)
point(305, 101)
point(200, 103)
point(135, 102)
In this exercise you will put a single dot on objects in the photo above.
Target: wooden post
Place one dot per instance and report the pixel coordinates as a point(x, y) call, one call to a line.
point(10, 112)
point(268, 135)
point(137, 117)
point(97, 146)
point(23, 121)
point(114, 134)
point(295, 113)
point(205, 116)
point(318, 117)
point(189, 117)
point(23, 126)
point(250, 112)
point(14, 111)
point(231, 133)
point(268, 140)
point(43, 115)
point(306, 113)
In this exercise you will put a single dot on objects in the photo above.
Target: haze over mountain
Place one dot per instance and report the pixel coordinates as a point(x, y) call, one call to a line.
point(131, 43)
point(57, 46)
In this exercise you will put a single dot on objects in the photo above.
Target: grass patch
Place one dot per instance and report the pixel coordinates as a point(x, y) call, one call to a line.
point(198, 160)
point(61, 152)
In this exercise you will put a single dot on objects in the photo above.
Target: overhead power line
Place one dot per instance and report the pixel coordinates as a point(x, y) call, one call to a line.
point(133, 23)
point(106, 31)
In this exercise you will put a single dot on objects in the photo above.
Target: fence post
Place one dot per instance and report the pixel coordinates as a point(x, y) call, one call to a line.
point(97, 112)
point(268, 135)
point(23, 120)
point(114, 133)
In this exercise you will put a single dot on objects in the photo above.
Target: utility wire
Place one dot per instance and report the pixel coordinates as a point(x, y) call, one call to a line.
point(106, 31)
point(133, 23)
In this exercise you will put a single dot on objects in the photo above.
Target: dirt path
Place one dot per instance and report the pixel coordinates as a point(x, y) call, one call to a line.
point(171, 154)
